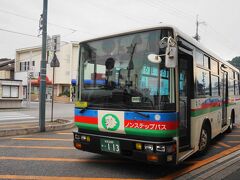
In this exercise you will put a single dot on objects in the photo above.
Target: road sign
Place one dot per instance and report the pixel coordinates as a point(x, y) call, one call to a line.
point(56, 42)
point(55, 61)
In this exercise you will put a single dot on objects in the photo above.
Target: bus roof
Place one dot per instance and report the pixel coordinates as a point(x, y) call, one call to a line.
point(177, 32)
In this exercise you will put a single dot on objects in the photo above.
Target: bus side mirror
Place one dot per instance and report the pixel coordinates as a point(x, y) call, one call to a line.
point(154, 58)
point(171, 55)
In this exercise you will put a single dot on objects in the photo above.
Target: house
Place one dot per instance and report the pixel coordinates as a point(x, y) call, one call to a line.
point(27, 69)
point(7, 68)
point(11, 90)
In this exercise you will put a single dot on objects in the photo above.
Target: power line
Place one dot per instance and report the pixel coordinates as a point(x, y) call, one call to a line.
point(52, 24)
point(20, 33)
point(34, 19)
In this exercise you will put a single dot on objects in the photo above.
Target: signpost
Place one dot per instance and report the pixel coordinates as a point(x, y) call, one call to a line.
point(54, 63)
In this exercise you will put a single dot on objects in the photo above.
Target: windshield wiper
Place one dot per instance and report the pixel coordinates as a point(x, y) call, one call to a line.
point(118, 105)
point(127, 108)
point(139, 113)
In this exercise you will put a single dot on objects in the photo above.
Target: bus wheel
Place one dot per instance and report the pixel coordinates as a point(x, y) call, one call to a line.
point(204, 139)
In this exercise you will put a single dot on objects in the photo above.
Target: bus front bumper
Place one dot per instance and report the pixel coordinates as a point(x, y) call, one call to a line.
point(140, 150)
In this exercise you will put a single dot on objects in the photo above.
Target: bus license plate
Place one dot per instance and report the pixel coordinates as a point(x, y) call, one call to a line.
point(109, 145)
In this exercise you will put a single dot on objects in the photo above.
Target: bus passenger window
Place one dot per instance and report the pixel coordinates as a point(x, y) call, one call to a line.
point(215, 85)
point(202, 83)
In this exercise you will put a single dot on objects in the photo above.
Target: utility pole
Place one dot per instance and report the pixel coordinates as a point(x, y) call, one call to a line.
point(42, 99)
point(197, 37)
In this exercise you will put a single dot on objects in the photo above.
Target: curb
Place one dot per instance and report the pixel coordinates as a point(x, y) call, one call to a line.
point(67, 124)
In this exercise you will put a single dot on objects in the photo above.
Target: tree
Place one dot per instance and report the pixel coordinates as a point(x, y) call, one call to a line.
point(235, 62)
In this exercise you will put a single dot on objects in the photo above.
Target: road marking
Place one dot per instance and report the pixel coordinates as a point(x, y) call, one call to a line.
point(38, 147)
point(62, 133)
point(58, 178)
point(216, 146)
point(41, 139)
point(61, 159)
point(223, 144)
point(202, 163)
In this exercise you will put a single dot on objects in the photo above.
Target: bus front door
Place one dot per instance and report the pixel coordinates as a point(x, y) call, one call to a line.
point(185, 93)
point(224, 96)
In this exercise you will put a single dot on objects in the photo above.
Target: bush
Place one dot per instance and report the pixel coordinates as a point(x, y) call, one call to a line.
point(65, 93)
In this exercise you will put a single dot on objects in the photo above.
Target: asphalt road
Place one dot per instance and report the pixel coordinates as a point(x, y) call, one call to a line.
point(52, 156)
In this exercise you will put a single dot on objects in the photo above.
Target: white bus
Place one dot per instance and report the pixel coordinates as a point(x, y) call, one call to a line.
point(153, 95)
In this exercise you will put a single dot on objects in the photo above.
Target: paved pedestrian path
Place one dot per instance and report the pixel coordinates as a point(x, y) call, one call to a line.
point(15, 116)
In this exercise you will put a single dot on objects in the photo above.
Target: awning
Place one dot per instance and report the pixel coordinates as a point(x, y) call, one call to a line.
point(37, 81)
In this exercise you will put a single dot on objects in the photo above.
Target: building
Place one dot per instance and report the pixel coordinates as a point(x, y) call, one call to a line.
point(27, 69)
point(7, 68)
point(10, 90)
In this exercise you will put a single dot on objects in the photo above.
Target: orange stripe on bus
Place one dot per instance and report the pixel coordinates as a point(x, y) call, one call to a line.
point(42, 139)
point(61, 159)
point(58, 178)
point(37, 147)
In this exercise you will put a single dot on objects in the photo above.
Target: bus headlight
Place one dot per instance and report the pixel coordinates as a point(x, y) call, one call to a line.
point(76, 136)
point(160, 148)
point(148, 147)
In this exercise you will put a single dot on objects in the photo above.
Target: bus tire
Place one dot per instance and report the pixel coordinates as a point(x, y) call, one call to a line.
point(230, 127)
point(204, 140)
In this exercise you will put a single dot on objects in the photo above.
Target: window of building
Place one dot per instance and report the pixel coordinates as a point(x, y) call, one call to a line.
point(10, 91)
point(25, 66)
point(33, 63)
point(6, 92)
point(202, 83)
point(20, 66)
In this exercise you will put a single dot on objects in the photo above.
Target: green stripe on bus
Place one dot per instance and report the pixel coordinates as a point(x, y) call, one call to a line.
point(133, 131)
point(231, 104)
point(87, 126)
point(204, 111)
point(151, 133)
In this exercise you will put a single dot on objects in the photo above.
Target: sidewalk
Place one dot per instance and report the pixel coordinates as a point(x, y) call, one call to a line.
point(21, 128)
point(25, 120)
point(223, 168)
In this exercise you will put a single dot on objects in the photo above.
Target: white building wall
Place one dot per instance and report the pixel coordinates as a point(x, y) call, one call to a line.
point(67, 56)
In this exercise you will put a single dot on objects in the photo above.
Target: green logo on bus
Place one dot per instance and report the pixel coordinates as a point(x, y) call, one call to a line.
point(110, 122)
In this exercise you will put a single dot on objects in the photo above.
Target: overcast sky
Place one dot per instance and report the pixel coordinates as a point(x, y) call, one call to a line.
point(77, 20)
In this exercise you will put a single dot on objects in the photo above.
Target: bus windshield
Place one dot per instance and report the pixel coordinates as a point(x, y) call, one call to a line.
point(116, 73)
